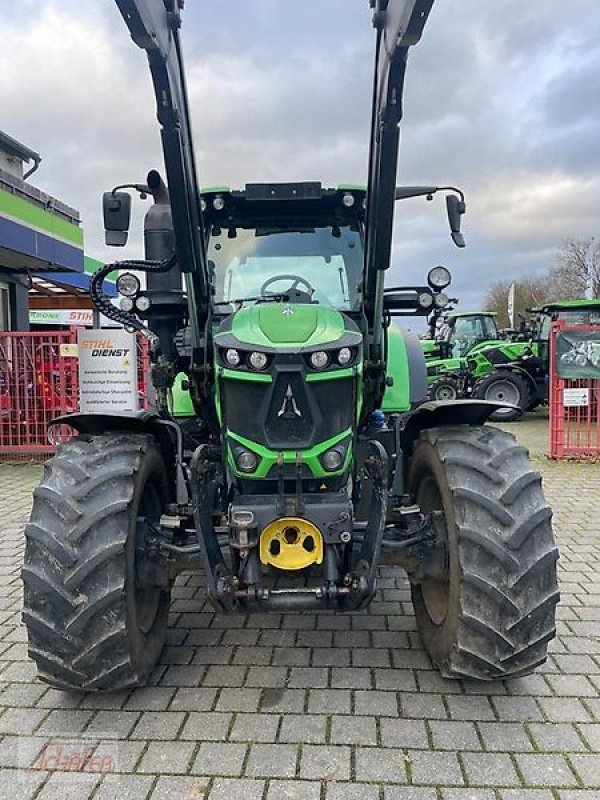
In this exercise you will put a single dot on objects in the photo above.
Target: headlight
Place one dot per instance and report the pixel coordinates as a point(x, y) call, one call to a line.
point(348, 200)
point(232, 357)
point(128, 284)
point(344, 356)
point(257, 360)
point(425, 300)
point(333, 459)
point(319, 359)
point(246, 460)
point(218, 203)
point(441, 300)
point(439, 277)
point(126, 304)
point(142, 303)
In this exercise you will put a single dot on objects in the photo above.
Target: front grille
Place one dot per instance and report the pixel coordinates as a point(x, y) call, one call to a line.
point(290, 419)
point(288, 414)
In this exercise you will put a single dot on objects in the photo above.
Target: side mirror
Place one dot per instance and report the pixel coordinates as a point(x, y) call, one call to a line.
point(116, 210)
point(456, 208)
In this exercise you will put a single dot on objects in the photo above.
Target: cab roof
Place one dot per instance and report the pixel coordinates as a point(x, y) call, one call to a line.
point(302, 190)
point(454, 314)
point(566, 305)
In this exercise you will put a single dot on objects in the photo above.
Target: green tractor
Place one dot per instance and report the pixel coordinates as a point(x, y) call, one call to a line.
point(311, 456)
point(461, 335)
point(517, 373)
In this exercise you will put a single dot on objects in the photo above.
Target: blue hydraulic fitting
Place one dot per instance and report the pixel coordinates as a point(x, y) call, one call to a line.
point(377, 420)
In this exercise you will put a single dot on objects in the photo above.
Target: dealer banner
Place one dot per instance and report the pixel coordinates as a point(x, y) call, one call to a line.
point(107, 371)
point(578, 354)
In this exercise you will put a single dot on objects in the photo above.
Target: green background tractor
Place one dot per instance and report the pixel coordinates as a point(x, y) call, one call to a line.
point(462, 334)
point(518, 372)
point(312, 454)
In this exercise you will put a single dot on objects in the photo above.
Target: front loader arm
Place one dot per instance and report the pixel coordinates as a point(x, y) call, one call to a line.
point(399, 25)
point(154, 27)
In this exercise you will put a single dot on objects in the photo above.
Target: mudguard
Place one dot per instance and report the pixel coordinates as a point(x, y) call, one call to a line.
point(407, 367)
point(437, 414)
point(132, 421)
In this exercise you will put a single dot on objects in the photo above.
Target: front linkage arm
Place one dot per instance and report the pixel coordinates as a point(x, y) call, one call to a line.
point(399, 25)
point(154, 27)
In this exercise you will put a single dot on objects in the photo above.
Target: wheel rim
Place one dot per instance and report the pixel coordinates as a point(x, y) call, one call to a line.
point(503, 391)
point(435, 591)
point(147, 598)
point(446, 392)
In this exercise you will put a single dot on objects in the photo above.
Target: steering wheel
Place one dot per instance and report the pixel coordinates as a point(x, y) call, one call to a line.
point(296, 281)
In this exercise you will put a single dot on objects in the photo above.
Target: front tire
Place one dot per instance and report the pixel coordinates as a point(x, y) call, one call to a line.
point(491, 612)
point(92, 622)
point(445, 390)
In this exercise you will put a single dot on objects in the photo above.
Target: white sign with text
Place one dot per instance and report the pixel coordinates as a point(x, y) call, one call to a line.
point(576, 398)
point(107, 371)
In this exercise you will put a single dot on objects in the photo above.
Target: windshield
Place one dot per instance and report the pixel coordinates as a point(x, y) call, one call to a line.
point(250, 263)
point(573, 316)
point(470, 330)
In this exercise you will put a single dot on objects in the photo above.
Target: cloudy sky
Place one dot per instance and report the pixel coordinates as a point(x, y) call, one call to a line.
point(502, 99)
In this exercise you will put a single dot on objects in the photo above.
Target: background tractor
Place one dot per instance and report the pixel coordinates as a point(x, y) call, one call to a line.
point(518, 372)
point(460, 335)
point(512, 371)
point(311, 453)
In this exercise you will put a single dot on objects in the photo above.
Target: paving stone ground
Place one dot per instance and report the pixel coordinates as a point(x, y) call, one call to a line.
point(316, 707)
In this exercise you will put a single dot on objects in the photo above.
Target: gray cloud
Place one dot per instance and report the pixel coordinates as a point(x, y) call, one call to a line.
point(501, 99)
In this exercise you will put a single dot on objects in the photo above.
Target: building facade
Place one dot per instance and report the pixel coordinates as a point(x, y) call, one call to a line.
point(42, 261)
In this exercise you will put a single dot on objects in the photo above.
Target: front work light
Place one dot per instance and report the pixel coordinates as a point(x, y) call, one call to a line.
point(128, 284)
point(425, 300)
point(344, 356)
point(246, 460)
point(333, 459)
point(319, 359)
point(439, 277)
point(232, 357)
point(257, 360)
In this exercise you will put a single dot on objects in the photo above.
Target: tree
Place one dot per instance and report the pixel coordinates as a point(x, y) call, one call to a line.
point(530, 291)
point(576, 269)
point(575, 274)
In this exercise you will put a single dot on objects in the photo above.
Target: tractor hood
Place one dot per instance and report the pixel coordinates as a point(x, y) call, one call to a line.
point(288, 325)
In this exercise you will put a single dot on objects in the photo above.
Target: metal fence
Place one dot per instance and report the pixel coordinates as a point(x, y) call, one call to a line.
point(39, 381)
point(574, 391)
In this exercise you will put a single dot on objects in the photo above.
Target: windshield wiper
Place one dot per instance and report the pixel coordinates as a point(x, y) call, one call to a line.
point(267, 298)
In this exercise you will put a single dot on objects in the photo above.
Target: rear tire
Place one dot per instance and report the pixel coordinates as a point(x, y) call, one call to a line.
point(91, 624)
point(491, 613)
point(504, 387)
point(445, 390)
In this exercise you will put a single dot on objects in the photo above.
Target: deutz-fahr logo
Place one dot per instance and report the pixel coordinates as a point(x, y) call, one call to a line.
point(289, 408)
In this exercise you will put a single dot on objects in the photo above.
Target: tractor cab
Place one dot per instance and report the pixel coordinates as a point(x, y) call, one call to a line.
point(461, 331)
point(572, 312)
point(298, 244)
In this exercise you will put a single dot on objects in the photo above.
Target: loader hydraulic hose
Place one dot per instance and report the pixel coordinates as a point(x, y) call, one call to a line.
point(103, 303)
